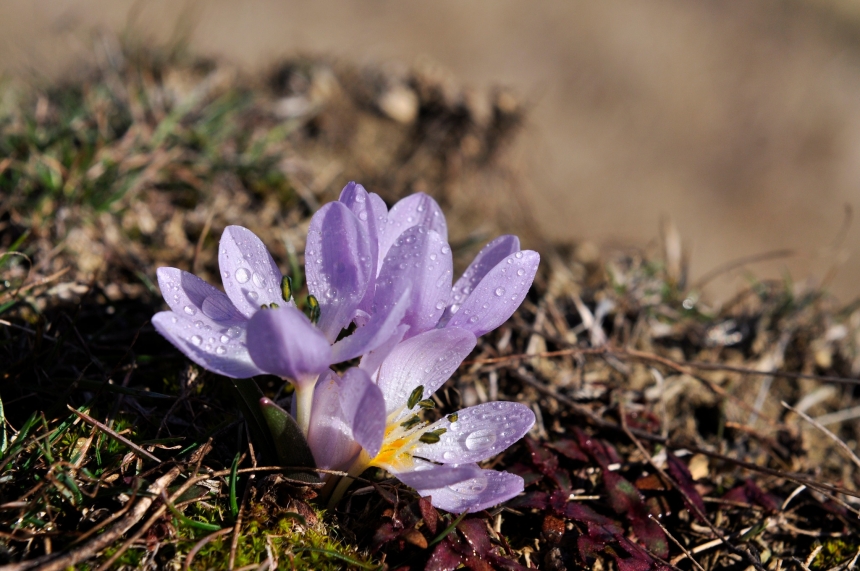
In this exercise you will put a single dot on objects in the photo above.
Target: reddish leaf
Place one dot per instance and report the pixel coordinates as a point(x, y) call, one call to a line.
point(584, 514)
point(569, 449)
point(475, 532)
point(384, 533)
point(475, 563)
point(602, 453)
point(527, 473)
point(625, 499)
point(561, 477)
point(750, 493)
point(429, 514)
point(650, 482)
point(444, 558)
point(543, 459)
point(682, 476)
point(537, 500)
point(500, 562)
point(643, 420)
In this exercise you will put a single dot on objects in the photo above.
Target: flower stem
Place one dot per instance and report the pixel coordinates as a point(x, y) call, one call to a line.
point(360, 465)
point(304, 402)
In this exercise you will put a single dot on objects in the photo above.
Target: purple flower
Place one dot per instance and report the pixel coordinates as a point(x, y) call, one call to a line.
point(357, 423)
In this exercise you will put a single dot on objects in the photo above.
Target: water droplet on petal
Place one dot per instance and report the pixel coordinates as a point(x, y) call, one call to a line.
point(196, 339)
point(448, 455)
point(500, 291)
point(362, 216)
point(224, 339)
point(253, 295)
point(481, 439)
point(440, 305)
point(258, 280)
point(225, 273)
point(521, 272)
point(432, 256)
point(242, 275)
point(518, 255)
point(446, 249)
point(190, 310)
point(221, 349)
point(359, 197)
point(198, 324)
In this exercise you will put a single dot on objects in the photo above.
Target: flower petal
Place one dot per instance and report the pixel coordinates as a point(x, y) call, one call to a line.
point(338, 265)
point(498, 295)
point(251, 277)
point(220, 349)
point(423, 258)
point(435, 476)
point(428, 359)
point(363, 405)
point(489, 256)
point(186, 294)
point(372, 213)
point(480, 432)
point(487, 489)
point(330, 435)
point(284, 342)
point(371, 361)
point(380, 328)
point(415, 210)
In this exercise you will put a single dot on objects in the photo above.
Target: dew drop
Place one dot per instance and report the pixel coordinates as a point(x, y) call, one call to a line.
point(225, 273)
point(410, 239)
point(446, 249)
point(224, 339)
point(221, 349)
point(481, 439)
point(359, 197)
point(440, 305)
point(362, 216)
point(196, 339)
point(518, 255)
point(420, 207)
point(521, 272)
point(242, 275)
point(174, 320)
point(510, 260)
point(433, 256)
point(190, 310)
point(448, 455)
point(198, 324)
point(473, 319)
point(500, 291)
point(253, 295)
point(258, 280)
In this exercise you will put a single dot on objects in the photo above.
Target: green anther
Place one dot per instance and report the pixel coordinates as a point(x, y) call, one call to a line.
point(314, 306)
point(452, 417)
point(264, 306)
point(412, 421)
point(274, 305)
point(432, 436)
point(287, 287)
point(416, 396)
point(427, 403)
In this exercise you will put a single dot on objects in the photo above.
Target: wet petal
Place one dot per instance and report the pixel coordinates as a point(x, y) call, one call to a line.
point(363, 405)
point(435, 476)
point(330, 435)
point(251, 277)
point(338, 265)
point(186, 294)
point(486, 490)
point(428, 359)
point(372, 214)
point(385, 321)
point(284, 342)
point(218, 348)
point(498, 295)
point(479, 432)
point(415, 210)
point(489, 256)
point(423, 258)
point(371, 361)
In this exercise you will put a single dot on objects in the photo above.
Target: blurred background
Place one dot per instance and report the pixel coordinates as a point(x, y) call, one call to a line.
point(738, 122)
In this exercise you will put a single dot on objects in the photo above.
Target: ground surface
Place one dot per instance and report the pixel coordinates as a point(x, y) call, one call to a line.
point(661, 435)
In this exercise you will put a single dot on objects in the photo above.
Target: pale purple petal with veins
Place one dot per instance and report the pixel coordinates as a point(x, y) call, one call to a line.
point(371, 361)
point(188, 295)
point(362, 404)
point(249, 274)
point(284, 342)
point(430, 475)
point(486, 490)
point(338, 265)
point(372, 214)
point(423, 258)
point(376, 331)
point(428, 359)
point(330, 435)
point(498, 295)
point(414, 210)
point(489, 256)
point(480, 432)
point(219, 348)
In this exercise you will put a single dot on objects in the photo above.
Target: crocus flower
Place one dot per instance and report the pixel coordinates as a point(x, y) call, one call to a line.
point(359, 423)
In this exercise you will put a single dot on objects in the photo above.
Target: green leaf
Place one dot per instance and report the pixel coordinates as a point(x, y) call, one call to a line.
point(290, 445)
